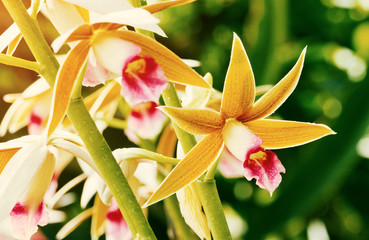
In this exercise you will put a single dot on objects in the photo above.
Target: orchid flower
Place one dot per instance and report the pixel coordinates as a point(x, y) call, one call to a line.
point(240, 128)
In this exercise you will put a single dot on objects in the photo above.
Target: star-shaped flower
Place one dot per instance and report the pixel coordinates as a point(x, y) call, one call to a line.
point(240, 128)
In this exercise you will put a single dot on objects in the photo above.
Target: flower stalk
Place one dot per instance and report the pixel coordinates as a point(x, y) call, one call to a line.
point(19, 62)
point(83, 123)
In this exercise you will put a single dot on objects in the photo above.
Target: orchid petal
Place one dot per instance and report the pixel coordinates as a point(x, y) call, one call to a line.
point(195, 121)
point(138, 18)
point(239, 140)
point(145, 120)
point(167, 142)
point(81, 32)
point(196, 97)
point(108, 94)
point(95, 75)
point(25, 220)
point(8, 36)
point(265, 167)
point(159, 6)
point(274, 98)
point(192, 166)
point(98, 218)
point(66, 78)
point(114, 53)
point(192, 211)
point(64, 16)
point(239, 86)
point(229, 165)
point(89, 189)
point(74, 223)
point(26, 163)
point(102, 7)
point(13, 44)
point(281, 134)
point(116, 226)
point(6, 155)
point(174, 68)
point(37, 88)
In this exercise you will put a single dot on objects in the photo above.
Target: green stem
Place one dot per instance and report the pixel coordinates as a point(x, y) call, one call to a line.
point(19, 62)
point(110, 170)
point(212, 205)
point(84, 124)
point(139, 153)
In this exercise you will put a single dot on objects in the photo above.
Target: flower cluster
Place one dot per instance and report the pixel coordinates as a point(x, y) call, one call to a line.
point(112, 51)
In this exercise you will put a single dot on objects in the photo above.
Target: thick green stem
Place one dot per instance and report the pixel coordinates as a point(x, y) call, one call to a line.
point(19, 62)
point(84, 124)
point(110, 170)
point(212, 207)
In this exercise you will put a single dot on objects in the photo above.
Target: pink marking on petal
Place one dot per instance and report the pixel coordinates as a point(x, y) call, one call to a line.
point(25, 220)
point(145, 121)
point(143, 80)
point(265, 167)
point(116, 226)
point(95, 74)
point(35, 124)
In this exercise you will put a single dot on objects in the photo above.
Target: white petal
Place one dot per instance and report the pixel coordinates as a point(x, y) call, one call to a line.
point(9, 35)
point(102, 7)
point(137, 17)
point(18, 174)
point(64, 16)
point(36, 88)
point(89, 189)
point(239, 139)
point(113, 53)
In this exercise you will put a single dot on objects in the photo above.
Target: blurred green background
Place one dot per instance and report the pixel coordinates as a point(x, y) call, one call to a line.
point(325, 191)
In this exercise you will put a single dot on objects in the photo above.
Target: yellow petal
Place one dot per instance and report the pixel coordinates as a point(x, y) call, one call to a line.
point(282, 134)
point(174, 68)
point(74, 223)
point(274, 98)
point(157, 7)
point(239, 86)
point(5, 156)
point(98, 218)
point(13, 45)
point(167, 142)
point(195, 121)
point(82, 32)
point(67, 76)
point(192, 166)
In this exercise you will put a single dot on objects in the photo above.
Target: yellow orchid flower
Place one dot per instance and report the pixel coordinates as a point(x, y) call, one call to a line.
point(240, 128)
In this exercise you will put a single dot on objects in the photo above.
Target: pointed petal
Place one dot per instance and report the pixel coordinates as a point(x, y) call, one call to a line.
point(195, 121)
point(74, 223)
point(13, 45)
point(239, 140)
point(138, 18)
point(174, 68)
point(102, 7)
point(142, 80)
point(8, 36)
point(6, 155)
point(192, 211)
point(192, 166)
point(239, 86)
point(159, 6)
point(265, 167)
point(67, 76)
point(98, 218)
point(89, 189)
point(281, 134)
point(81, 32)
point(107, 94)
point(196, 97)
point(275, 97)
point(114, 53)
point(167, 142)
point(26, 163)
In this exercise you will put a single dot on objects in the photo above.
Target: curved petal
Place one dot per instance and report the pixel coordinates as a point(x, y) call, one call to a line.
point(26, 163)
point(159, 6)
point(239, 140)
point(8, 36)
point(174, 68)
point(281, 134)
point(65, 81)
point(229, 165)
point(114, 53)
point(142, 81)
point(6, 155)
point(192, 166)
point(102, 7)
point(265, 167)
point(239, 86)
point(276, 96)
point(195, 121)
